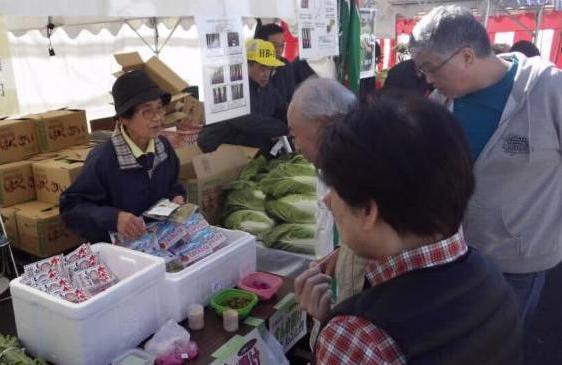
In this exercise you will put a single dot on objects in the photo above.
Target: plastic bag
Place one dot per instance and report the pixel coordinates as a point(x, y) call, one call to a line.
point(166, 338)
point(273, 349)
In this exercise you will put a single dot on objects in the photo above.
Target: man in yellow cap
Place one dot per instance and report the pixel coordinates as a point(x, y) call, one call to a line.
point(261, 60)
point(268, 111)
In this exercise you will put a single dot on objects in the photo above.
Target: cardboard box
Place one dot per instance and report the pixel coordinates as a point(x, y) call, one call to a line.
point(58, 129)
point(173, 118)
point(208, 173)
point(76, 153)
point(44, 156)
point(157, 70)
point(9, 219)
point(185, 155)
point(16, 183)
point(176, 103)
point(102, 124)
point(41, 231)
point(52, 177)
point(17, 140)
point(195, 110)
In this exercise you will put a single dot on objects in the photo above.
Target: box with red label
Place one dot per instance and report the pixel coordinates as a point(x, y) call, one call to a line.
point(16, 183)
point(58, 129)
point(52, 177)
point(41, 231)
point(17, 140)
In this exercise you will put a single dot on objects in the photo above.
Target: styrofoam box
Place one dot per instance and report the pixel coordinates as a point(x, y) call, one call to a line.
point(101, 328)
point(198, 282)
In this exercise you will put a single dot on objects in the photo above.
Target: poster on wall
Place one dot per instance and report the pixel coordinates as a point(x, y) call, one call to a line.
point(368, 42)
point(317, 28)
point(8, 95)
point(225, 70)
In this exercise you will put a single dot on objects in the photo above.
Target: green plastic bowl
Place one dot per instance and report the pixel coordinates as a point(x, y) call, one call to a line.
point(219, 301)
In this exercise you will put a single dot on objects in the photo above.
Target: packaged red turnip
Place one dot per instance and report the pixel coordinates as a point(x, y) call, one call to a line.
point(52, 264)
point(83, 264)
point(95, 279)
point(81, 252)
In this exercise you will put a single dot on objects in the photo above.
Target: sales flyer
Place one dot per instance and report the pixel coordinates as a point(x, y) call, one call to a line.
point(317, 28)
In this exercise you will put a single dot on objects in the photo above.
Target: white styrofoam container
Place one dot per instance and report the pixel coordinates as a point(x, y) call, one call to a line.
point(198, 282)
point(101, 328)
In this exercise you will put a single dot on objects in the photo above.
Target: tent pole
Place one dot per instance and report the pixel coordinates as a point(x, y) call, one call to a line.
point(154, 22)
point(170, 35)
point(140, 36)
point(538, 24)
point(487, 15)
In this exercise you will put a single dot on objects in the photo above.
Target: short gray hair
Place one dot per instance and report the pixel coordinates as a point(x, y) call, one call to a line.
point(318, 98)
point(445, 29)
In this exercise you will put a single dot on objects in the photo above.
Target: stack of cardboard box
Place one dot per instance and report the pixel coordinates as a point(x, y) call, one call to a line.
point(39, 159)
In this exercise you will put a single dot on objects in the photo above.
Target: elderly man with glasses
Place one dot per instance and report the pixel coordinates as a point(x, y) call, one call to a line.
point(510, 108)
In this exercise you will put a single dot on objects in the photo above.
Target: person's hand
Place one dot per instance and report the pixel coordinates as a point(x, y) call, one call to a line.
point(313, 293)
point(178, 199)
point(328, 264)
point(130, 226)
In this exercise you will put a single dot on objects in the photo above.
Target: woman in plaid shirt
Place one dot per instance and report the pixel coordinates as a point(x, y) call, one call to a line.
point(400, 174)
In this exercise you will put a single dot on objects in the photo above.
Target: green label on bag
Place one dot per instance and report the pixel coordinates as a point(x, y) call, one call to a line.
point(253, 321)
point(229, 348)
point(286, 302)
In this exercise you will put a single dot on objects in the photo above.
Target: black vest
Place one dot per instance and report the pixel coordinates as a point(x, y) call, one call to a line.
point(461, 313)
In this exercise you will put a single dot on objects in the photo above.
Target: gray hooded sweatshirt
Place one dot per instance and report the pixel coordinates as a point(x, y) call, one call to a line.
point(515, 214)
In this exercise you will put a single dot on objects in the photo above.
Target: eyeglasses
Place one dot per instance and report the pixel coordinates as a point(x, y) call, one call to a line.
point(151, 113)
point(435, 69)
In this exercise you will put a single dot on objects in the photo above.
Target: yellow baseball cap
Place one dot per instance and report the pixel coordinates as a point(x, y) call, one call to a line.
point(262, 52)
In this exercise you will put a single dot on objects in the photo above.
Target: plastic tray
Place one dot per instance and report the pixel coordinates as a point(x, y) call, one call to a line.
point(218, 301)
point(273, 283)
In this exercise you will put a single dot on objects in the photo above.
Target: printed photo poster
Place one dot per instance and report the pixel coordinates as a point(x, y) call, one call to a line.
point(368, 41)
point(317, 28)
point(225, 70)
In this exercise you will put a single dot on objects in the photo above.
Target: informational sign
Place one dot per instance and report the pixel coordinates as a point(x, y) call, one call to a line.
point(368, 42)
point(243, 350)
point(8, 95)
point(288, 324)
point(317, 28)
point(225, 70)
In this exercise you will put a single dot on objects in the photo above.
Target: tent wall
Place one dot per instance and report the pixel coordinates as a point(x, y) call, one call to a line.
point(80, 75)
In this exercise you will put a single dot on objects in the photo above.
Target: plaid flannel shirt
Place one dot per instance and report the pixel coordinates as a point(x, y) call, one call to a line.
point(355, 340)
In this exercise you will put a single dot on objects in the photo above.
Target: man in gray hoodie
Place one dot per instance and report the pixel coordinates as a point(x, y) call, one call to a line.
point(510, 107)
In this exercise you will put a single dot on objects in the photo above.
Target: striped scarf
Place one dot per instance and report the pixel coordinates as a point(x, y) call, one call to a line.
point(125, 157)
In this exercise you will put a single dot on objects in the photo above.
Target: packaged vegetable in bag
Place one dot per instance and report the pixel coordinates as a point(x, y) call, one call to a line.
point(82, 251)
point(294, 237)
point(251, 221)
point(293, 208)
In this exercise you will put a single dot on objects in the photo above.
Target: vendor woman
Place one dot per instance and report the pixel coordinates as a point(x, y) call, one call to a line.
point(128, 173)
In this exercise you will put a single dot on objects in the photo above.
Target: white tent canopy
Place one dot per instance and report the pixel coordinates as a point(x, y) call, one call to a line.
point(150, 8)
point(80, 75)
